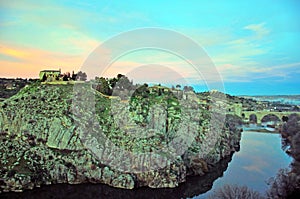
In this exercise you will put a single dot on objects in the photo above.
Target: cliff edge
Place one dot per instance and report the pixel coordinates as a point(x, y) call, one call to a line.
point(49, 135)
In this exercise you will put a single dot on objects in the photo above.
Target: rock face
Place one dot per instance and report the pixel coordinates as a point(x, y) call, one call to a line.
point(191, 188)
point(50, 135)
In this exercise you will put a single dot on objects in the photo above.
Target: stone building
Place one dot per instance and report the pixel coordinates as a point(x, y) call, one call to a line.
point(158, 88)
point(50, 75)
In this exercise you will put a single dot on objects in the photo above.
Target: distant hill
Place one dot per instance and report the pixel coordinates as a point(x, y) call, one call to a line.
point(10, 87)
point(50, 134)
point(282, 99)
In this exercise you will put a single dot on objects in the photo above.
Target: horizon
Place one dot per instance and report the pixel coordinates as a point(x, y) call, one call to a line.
point(196, 88)
point(252, 45)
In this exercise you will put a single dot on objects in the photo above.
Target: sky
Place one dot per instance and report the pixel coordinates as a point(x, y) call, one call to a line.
point(253, 45)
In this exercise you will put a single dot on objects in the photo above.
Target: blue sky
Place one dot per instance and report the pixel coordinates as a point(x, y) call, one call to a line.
point(255, 45)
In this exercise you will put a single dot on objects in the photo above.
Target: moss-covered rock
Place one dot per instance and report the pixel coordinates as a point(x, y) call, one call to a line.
point(50, 134)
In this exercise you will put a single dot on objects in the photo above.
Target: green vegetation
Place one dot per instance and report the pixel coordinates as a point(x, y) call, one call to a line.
point(57, 123)
point(10, 87)
point(113, 86)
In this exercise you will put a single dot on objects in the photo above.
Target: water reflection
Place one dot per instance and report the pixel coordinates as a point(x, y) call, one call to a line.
point(259, 159)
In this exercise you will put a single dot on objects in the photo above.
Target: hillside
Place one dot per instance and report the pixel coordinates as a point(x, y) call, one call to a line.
point(73, 134)
point(9, 87)
point(284, 99)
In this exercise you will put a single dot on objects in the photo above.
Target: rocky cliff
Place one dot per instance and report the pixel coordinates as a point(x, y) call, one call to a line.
point(50, 134)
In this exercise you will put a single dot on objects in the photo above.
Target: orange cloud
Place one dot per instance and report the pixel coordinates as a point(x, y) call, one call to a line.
point(27, 62)
point(16, 53)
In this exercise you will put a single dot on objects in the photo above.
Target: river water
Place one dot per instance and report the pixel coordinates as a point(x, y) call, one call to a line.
point(260, 157)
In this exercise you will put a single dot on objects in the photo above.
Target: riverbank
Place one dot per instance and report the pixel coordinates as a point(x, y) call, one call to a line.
point(260, 128)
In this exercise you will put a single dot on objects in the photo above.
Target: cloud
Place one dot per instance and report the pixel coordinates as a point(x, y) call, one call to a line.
point(253, 168)
point(181, 68)
point(286, 66)
point(244, 48)
point(13, 52)
point(254, 71)
point(75, 40)
point(209, 37)
point(259, 29)
point(237, 59)
point(63, 36)
point(32, 60)
point(258, 165)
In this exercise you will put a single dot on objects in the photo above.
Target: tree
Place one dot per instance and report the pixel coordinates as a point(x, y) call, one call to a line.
point(178, 86)
point(185, 88)
point(283, 185)
point(233, 121)
point(124, 83)
point(234, 191)
point(286, 184)
point(188, 88)
point(121, 82)
point(81, 76)
point(102, 85)
point(296, 108)
point(295, 147)
point(285, 118)
point(293, 125)
point(112, 82)
point(74, 76)
point(141, 91)
point(119, 76)
point(159, 92)
point(65, 77)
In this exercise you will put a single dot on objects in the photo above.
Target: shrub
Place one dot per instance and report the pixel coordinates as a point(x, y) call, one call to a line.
point(283, 185)
point(235, 192)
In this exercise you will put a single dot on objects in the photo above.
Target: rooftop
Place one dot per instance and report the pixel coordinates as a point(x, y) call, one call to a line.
point(50, 71)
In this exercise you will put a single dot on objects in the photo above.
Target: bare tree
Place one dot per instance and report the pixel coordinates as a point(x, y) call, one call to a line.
point(286, 184)
point(293, 124)
point(283, 185)
point(235, 192)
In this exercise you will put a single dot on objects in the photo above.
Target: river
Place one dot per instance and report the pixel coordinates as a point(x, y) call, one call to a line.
point(259, 158)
